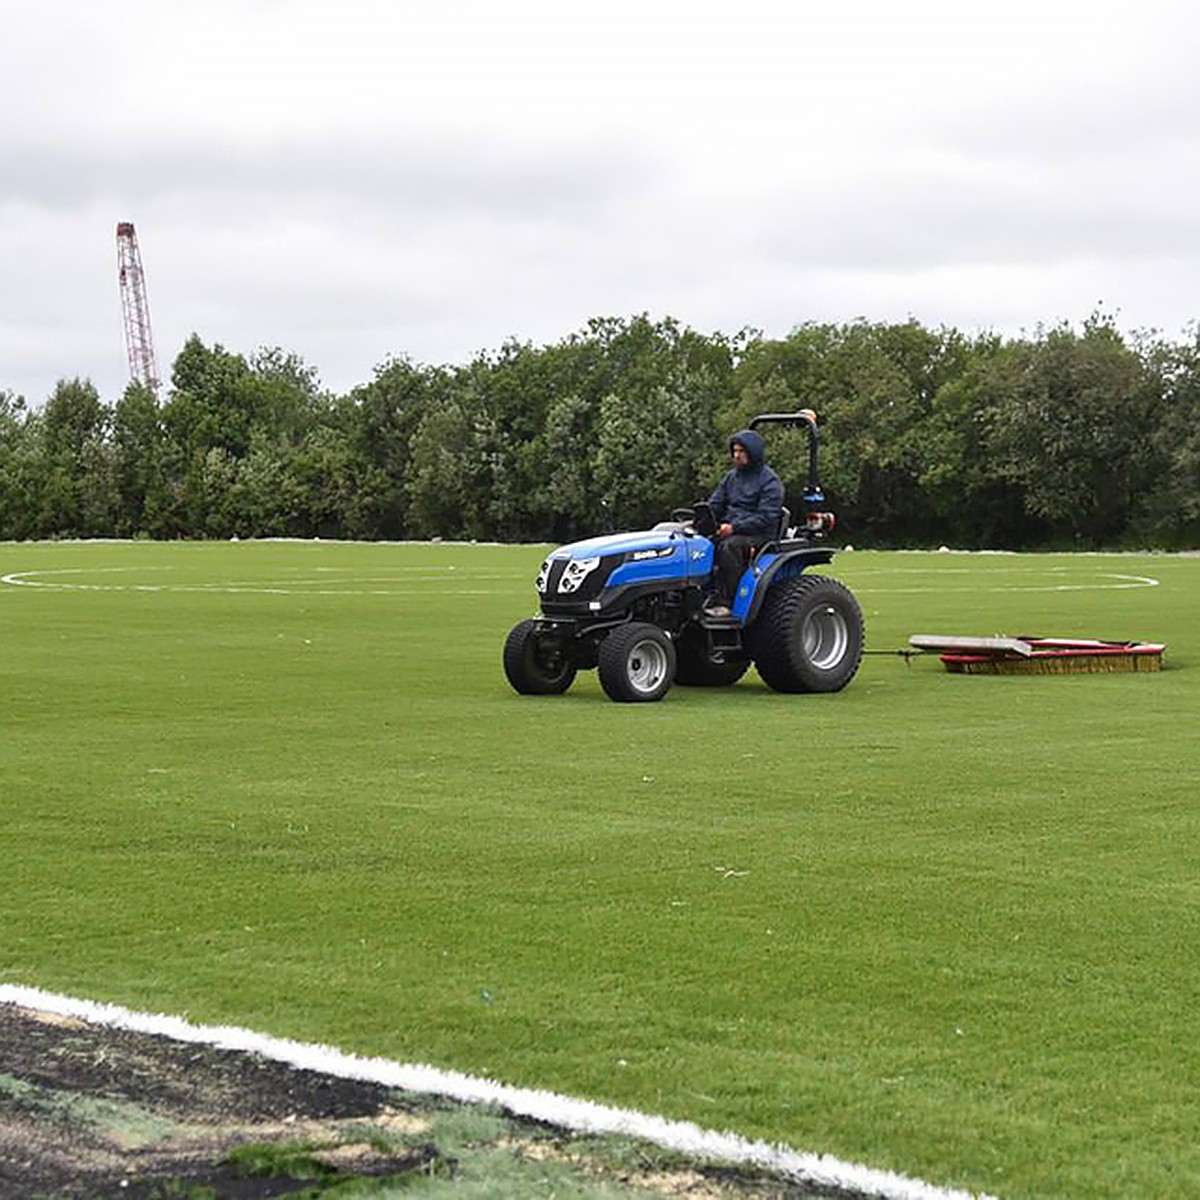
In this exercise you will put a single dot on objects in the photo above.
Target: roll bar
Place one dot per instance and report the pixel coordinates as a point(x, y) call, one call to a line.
point(807, 419)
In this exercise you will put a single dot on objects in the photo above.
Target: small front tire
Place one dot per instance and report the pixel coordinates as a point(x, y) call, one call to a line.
point(636, 663)
point(536, 666)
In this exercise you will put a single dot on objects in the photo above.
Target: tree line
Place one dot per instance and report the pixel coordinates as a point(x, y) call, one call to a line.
point(1059, 438)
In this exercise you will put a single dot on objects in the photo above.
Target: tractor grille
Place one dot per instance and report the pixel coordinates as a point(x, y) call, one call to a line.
point(570, 582)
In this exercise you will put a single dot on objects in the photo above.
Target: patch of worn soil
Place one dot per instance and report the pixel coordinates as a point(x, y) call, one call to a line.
point(89, 1112)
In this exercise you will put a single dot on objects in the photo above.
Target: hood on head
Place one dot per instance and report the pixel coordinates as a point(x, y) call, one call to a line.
point(755, 446)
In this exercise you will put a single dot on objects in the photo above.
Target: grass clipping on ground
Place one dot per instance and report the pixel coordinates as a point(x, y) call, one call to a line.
point(93, 1111)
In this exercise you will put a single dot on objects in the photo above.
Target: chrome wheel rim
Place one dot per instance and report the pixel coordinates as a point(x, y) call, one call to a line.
point(647, 665)
point(825, 637)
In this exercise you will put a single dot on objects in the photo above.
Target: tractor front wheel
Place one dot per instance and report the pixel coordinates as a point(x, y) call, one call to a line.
point(808, 636)
point(536, 666)
point(636, 663)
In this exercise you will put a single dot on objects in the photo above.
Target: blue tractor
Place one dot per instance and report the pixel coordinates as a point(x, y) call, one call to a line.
point(631, 605)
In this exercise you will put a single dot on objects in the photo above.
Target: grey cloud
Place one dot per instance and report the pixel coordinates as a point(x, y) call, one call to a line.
point(1131, 109)
point(993, 212)
point(454, 176)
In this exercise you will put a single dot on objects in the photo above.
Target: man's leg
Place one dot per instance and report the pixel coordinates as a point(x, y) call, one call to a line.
point(731, 562)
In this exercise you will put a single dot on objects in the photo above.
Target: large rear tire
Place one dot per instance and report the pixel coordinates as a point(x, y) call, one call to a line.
point(536, 666)
point(636, 663)
point(808, 636)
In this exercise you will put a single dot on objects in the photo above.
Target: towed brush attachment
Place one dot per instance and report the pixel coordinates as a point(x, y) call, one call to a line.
point(1038, 655)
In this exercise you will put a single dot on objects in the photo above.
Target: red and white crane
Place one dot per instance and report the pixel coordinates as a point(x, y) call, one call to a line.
point(139, 342)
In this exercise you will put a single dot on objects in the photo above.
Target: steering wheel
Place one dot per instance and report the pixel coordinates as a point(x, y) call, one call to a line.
point(703, 520)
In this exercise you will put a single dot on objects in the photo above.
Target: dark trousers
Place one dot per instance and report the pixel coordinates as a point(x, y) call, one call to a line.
point(732, 553)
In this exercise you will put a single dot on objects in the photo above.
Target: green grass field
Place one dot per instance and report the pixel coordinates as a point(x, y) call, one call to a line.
point(940, 924)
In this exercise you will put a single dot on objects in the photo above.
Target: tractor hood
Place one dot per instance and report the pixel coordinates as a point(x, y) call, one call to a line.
point(618, 543)
point(593, 574)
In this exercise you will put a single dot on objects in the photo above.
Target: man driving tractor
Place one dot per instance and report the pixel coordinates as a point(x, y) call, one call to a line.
point(747, 505)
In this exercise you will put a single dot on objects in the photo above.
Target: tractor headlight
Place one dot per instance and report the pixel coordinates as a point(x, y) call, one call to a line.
point(578, 569)
point(543, 575)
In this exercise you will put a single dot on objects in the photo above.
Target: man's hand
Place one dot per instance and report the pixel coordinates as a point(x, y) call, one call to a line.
point(725, 530)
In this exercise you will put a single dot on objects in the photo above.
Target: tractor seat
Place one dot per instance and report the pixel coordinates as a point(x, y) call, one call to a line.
point(785, 523)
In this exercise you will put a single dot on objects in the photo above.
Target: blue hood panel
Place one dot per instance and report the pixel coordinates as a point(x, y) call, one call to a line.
point(662, 556)
point(617, 543)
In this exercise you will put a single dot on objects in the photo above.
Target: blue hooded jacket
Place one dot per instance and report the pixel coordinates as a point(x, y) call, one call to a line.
point(750, 498)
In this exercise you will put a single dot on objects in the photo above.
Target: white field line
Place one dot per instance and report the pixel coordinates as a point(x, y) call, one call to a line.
point(301, 587)
point(582, 1116)
point(290, 587)
point(325, 575)
point(1129, 581)
point(208, 589)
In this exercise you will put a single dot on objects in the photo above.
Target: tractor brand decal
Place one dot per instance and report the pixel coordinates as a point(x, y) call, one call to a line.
point(578, 569)
point(661, 552)
point(697, 554)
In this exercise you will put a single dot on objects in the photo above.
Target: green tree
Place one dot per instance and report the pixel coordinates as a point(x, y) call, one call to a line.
point(569, 493)
point(208, 407)
point(380, 424)
point(884, 419)
point(652, 452)
point(446, 494)
point(20, 470)
point(137, 439)
point(1168, 510)
point(79, 492)
point(1068, 419)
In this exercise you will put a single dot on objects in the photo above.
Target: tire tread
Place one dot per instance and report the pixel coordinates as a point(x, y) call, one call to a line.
point(777, 650)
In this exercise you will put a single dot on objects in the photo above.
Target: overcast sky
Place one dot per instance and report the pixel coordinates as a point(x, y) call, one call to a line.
point(359, 179)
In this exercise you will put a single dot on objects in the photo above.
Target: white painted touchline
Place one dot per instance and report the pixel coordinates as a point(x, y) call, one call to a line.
point(1131, 581)
point(292, 587)
point(22, 579)
point(283, 587)
point(583, 1116)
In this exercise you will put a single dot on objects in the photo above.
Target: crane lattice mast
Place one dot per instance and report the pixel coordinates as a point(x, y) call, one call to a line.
point(143, 366)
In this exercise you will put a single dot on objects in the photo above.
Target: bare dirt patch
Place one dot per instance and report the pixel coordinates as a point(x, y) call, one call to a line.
point(88, 1111)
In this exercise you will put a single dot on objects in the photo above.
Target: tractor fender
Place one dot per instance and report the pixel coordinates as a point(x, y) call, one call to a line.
point(769, 568)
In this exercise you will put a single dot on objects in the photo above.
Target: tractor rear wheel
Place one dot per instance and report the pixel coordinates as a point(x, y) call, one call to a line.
point(536, 666)
point(808, 636)
point(636, 663)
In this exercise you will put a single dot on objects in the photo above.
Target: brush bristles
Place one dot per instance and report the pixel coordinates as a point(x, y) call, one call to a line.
point(1056, 664)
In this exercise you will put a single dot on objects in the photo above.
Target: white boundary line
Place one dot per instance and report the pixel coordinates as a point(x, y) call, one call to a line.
point(286, 587)
point(1131, 581)
point(582, 1116)
point(291, 587)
